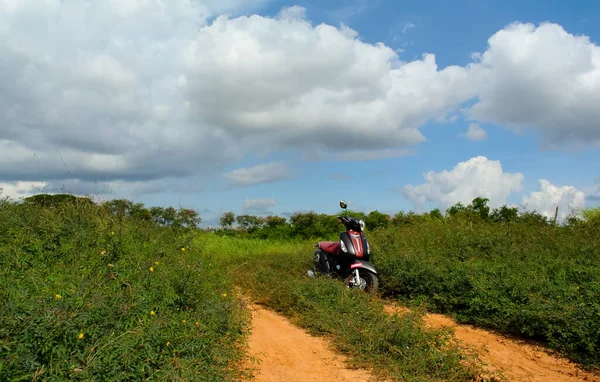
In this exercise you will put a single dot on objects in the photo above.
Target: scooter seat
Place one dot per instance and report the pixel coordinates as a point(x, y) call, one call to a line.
point(332, 247)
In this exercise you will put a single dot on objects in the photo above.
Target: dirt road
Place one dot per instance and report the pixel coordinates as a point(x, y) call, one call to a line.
point(516, 360)
point(288, 353)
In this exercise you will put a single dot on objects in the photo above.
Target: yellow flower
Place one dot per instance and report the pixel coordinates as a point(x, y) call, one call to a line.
point(168, 343)
point(103, 252)
point(80, 336)
point(110, 265)
point(113, 233)
point(197, 323)
point(183, 321)
point(182, 249)
point(58, 296)
point(224, 295)
point(152, 313)
point(156, 263)
point(151, 269)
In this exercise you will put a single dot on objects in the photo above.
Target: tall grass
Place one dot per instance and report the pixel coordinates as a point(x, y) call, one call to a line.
point(396, 346)
point(536, 281)
point(87, 296)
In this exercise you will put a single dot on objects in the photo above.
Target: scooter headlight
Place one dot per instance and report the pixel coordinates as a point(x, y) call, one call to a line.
point(362, 224)
point(343, 246)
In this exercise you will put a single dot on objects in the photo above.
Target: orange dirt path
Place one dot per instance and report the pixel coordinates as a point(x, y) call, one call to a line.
point(288, 353)
point(515, 360)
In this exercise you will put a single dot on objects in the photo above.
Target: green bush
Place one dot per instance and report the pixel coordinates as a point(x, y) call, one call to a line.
point(392, 345)
point(85, 295)
point(524, 278)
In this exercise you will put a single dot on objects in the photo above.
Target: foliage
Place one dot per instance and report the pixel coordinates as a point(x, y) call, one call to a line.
point(392, 345)
point(376, 220)
point(57, 200)
point(90, 293)
point(69, 266)
point(526, 278)
point(227, 219)
point(249, 222)
point(592, 214)
point(314, 226)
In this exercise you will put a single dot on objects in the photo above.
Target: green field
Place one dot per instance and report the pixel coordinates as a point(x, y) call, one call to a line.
point(120, 292)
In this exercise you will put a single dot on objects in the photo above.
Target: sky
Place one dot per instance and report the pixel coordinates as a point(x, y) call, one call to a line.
point(272, 107)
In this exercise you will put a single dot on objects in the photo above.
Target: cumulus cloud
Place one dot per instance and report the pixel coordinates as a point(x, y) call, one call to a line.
point(87, 90)
point(476, 133)
point(140, 90)
point(258, 205)
point(567, 198)
point(305, 84)
point(473, 178)
point(264, 173)
point(543, 78)
point(136, 90)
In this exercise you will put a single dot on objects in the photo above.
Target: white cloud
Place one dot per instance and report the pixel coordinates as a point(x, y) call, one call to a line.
point(141, 90)
point(16, 190)
point(264, 173)
point(540, 77)
point(476, 177)
point(301, 85)
point(258, 205)
point(476, 133)
point(567, 198)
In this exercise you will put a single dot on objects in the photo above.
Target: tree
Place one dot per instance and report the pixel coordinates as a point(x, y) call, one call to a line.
point(119, 207)
point(188, 218)
point(249, 222)
point(311, 224)
point(157, 215)
point(436, 214)
point(480, 205)
point(456, 209)
point(376, 219)
point(169, 217)
point(275, 221)
point(138, 211)
point(227, 219)
point(504, 214)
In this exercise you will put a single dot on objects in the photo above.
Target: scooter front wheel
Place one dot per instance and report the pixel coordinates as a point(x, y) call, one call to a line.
point(368, 281)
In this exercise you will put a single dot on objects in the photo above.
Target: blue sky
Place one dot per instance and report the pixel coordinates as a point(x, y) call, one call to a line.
point(449, 30)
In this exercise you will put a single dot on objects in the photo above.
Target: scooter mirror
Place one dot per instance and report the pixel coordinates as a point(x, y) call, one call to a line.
point(343, 204)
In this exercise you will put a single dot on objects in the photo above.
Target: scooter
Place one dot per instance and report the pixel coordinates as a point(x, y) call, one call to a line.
point(347, 258)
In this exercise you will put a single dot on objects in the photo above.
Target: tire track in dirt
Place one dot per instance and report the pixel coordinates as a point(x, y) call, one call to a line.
point(515, 360)
point(288, 353)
